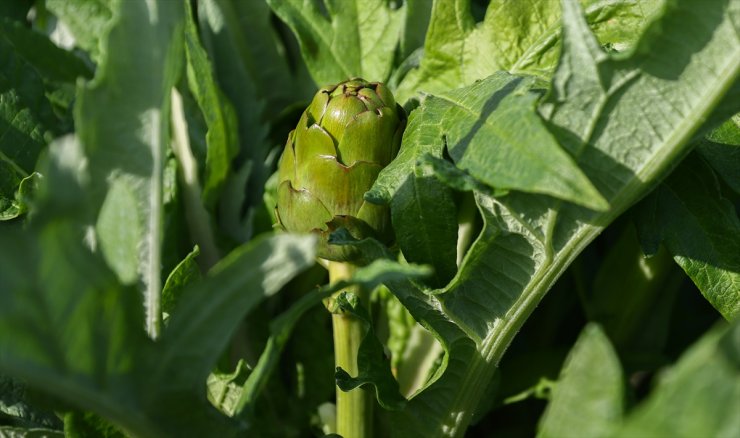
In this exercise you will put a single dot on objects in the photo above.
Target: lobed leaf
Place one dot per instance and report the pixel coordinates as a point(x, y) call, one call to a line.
point(625, 121)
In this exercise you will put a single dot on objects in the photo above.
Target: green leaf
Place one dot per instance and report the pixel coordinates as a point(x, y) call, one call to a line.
point(19, 406)
point(700, 229)
point(50, 61)
point(260, 53)
point(66, 324)
point(373, 367)
point(209, 312)
point(589, 394)
point(722, 151)
point(632, 299)
point(225, 389)
point(238, 62)
point(699, 396)
point(15, 10)
point(26, 116)
point(416, 21)
point(348, 39)
point(22, 192)
point(69, 328)
point(86, 424)
point(423, 216)
point(606, 113)
point(521, 37)
point(185, 273)
point(491, 132)
point(19, 432)
point(126, 141)
point(222, 136)
point(88, 20)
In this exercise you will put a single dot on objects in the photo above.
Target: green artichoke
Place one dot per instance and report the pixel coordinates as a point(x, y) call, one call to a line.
point(349, 132)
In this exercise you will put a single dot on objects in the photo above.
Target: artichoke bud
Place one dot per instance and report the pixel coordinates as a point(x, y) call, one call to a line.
point(348, 133)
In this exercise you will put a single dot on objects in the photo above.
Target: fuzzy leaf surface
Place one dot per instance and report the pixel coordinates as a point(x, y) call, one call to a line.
point(626, 121)
point(126, 142)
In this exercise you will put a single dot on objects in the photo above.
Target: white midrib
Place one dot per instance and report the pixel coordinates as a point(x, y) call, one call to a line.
point(152, 249)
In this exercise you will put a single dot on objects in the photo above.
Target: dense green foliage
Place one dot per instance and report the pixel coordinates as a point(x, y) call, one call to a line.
point(564, 207)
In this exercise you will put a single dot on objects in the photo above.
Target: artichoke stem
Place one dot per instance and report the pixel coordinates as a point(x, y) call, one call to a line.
point(354, 408)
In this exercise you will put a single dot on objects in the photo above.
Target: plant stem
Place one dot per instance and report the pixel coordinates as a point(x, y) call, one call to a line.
point(354, 408)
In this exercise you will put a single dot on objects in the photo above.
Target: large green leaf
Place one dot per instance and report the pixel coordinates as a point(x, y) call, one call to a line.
point(626, 121)
point(122, 119)
point(588, 397)
point(700, 229)
point(344, 39)
point(520, 37)
point(69, 327)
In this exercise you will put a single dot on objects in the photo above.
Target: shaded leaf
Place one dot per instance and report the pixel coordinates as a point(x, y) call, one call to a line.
point(589, 393)
point(185, 273)
point(722, 151)
point(698, 396)
point(19, 406)
point(50, 61)
point(19, 432)
point(207, 314)
point(237, 68)
point(86, 424)
point(700, 229)
point(222, 136)
point(491, 132)
point(368, 277)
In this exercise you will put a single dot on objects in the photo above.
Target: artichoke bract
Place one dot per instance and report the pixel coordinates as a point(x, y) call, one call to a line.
point(349, 132)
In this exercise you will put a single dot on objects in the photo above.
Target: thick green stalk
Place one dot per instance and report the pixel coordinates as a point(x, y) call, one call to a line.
point(354, 408)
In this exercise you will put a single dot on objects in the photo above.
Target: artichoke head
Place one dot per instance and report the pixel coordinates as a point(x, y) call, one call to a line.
point(349, 132)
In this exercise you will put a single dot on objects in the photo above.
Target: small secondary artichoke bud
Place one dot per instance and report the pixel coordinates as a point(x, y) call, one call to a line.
point(349, 132)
